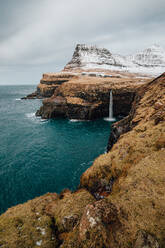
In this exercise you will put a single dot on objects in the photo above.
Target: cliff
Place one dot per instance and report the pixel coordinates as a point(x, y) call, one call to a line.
point(86, 96)
point(49, 83)
point(121, 199)
point(131, 174)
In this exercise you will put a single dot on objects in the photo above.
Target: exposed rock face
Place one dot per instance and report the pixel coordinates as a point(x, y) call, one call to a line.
point(90, 55)
point(94, 222)
point(49, 83)
point(150, 61)
point(122, 126)
point(87, 98)
point(31, 96)
point(118, 129)
point(153, 56)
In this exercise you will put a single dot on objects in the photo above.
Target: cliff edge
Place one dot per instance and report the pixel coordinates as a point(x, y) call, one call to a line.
point(121, 199)
point(86, 96)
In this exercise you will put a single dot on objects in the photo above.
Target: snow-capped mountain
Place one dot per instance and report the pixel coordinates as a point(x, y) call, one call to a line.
point(90, 55)
point(152, 56)
point(150, 61)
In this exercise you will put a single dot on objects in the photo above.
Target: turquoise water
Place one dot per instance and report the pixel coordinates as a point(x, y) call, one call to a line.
point(42, 156)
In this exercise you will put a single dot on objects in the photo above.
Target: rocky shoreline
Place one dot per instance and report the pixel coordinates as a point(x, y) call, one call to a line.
point(120, 202)
point(85, 97)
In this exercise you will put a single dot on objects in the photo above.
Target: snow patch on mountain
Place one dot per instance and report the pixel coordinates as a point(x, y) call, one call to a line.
point(150, 57)
point(151, 61)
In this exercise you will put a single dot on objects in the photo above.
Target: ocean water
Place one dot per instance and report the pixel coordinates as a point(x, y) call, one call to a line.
point(39, 156)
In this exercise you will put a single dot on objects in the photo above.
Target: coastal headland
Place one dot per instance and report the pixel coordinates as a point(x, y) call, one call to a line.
point(120, 201)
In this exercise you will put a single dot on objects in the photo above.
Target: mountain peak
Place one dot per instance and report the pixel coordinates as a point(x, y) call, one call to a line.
point(90, 56)
point(149, 61)
point(152, 56)
point(155, 46)
point(85, 47)
point(90, 48)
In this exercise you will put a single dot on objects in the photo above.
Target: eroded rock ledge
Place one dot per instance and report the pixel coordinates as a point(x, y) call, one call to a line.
point(130, 215)
point(86, 97)
point(49, 83)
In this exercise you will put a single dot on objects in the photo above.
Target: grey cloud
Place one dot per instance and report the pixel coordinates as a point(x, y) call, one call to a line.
point(40, 34)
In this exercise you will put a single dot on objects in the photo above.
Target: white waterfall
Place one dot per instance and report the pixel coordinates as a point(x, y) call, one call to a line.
point(110, 105)
point(110, 118)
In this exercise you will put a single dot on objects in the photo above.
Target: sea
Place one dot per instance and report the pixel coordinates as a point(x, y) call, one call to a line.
point(39, 156)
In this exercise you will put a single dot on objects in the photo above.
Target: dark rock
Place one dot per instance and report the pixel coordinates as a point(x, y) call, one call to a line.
point(53, 107)
point(124, 125)
point(69, 222)
point(117, 129)
point(47, 91)
point(33, 95)
point(103, 188)
point(92, 105)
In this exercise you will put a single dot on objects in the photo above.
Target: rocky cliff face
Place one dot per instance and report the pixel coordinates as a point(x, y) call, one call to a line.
point(131, 172)
point(153, 56)
point(150, 61)
point(90, 55)
point(87, 98)
point(49, 83)
point(121, 200)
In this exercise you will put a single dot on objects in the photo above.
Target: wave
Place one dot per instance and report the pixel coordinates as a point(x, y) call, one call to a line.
point(30, 115)
point(77, 120)
point(109, 119)
point(33, 117)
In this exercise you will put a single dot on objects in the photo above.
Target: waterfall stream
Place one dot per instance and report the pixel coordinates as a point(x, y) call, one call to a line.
point(110, 118)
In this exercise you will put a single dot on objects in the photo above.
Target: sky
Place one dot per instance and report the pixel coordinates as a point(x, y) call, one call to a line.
point(38, 36)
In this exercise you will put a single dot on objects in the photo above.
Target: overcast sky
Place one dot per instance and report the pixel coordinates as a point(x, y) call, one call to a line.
point(38, 36)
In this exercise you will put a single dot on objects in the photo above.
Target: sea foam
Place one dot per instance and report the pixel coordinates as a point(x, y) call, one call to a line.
point(30, 115)
point(77, 120)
